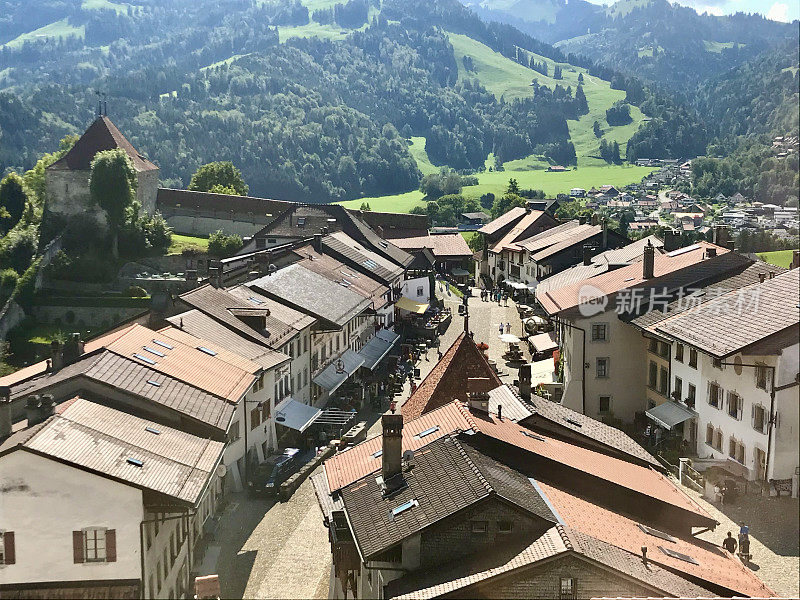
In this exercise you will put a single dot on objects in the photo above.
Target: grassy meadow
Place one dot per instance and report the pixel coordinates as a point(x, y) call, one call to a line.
point(779, 258)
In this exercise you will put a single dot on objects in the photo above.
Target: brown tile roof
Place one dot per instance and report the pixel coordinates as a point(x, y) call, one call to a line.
point(633, 477)
point(349, 249)
point(593, 429)
point(444, 480)
point(103, 440)
point(200, 325)
point(715, 565)
point(441, 244)
point(101, 135)
point(503, 220)
point(510, 240)
point(558, 540)
point(206, 201)
point(690, 262)
point(733, 321)
point(40, 368)
point(292, 320)
point(344, 275)
point(217, 303)
point(391, 222)
point(138, 380)
point(187, 363)
point(447, 380)
point(343, 468)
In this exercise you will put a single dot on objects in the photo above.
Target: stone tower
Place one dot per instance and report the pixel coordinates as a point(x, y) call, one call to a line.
point(67, 180)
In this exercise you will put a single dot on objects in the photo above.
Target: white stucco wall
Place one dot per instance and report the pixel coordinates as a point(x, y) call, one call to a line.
point(44, 501)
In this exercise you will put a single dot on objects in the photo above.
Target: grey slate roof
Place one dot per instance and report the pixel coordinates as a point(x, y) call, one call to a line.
point(590, 428)
point(312, 293)
point(444, 480)
point(716, 328)
point(102, 439)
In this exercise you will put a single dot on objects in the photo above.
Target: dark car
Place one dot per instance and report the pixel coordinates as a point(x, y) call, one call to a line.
point(269, 475)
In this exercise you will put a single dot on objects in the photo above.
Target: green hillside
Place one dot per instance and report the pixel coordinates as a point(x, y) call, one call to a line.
point(504, 77)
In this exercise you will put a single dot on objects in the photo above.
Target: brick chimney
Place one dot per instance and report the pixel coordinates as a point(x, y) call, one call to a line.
point(5, 411)
point(648, 261)
point(478, 389)
point(391, 459)
point(671, 240)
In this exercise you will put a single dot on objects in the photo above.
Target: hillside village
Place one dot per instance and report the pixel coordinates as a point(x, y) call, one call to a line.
point(572, 410)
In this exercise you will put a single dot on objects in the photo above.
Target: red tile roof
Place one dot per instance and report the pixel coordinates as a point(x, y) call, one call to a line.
point(561, 299)
point(354, 463)
point(715, 564)
point(101, 135)
point(447, 381)
point(640, 479)
point(217, 375)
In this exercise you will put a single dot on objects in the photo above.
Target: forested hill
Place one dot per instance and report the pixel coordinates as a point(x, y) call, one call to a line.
point(660, 42)
point(317, 101)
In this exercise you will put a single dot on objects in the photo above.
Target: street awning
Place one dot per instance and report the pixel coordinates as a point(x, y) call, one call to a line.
point(515, 284)
point(669, 414)
point(543, 342)
point(411, 306)
point(458, 272)
point(375, 350)
point(296, 415)
point(336, 373)
point(542, 371)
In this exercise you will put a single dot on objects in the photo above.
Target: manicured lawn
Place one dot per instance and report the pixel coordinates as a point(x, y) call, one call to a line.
point(182, 242)
point(397, 203)
point(505, 77)
point(57, 29)
point(779, 258)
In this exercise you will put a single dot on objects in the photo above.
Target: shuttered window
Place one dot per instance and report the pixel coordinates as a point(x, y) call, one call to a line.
point(9, 555)
point(94, 544)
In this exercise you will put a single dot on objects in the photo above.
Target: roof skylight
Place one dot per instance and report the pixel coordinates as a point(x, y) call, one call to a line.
point(149, 361)
point(163, 344)
point(135, 462)
point(532, 435)
point(153, 351)
point(678, 555)
point(255, 300)
point(152, 430)
point(656, 533)
point(427, 432)
point(153, 382)
point(404, 507)
point(377, 454)
point(208, 351)
point(573, 422)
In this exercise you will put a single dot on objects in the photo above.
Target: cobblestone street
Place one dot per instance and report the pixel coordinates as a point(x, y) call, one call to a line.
point(774, 542)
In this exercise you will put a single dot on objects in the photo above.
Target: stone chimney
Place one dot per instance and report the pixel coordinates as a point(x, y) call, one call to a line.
point(711, 252)
point(5, 411)
point(795, 259)
point(648, 261)
point(317, 243)
point(215, 275)
point(39, 408)
point(671, 240)
point(587, 254)
point(644, 555)
point(604, 223)
point(581, 220)
point(191, 277)
point(392, 457)
point(720, 235)
point(478, 389)
point(56, 356)
point(772, 274)
point(762, 277)
point(73, 349)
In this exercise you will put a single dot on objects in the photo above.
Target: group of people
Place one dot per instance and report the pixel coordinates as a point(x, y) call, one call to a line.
point(730, 543)
point(507, 328)
point(494, 295)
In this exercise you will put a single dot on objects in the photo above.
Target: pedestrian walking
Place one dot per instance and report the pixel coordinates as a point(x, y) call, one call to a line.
point(729, 543)
point(501, 329)
point(508, 327)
